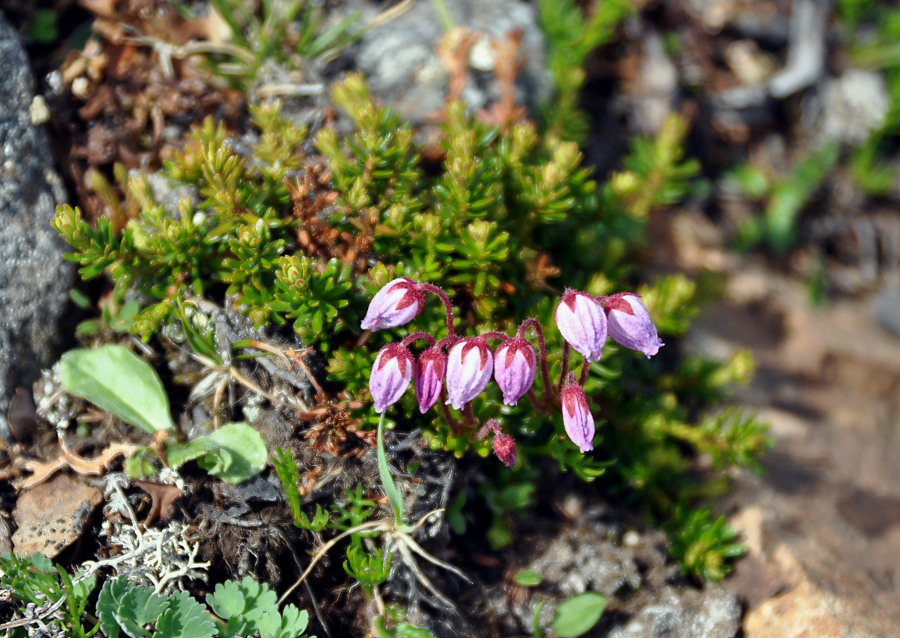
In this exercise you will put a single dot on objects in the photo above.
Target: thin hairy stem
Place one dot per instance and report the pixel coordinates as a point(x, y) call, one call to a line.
point(469, 415)
point(455, 427)
point(585, 369)
point(565, 366)
point(537, 403)
point(533, 323)
point(448, 341)
point(415, 337)
point(448, 308)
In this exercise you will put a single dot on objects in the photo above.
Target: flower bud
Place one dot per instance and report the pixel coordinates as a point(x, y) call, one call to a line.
point(391, 374)
point(396, 304)
point(469, 369)
point(582, 322)
point(505, 448)
point(430, 370)
point(515, 365)
point(630, 323)
point(577, 417)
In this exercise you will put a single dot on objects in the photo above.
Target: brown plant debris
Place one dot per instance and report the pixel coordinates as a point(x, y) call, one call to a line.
point(331, 425)
point(41, 471)
point(162, 495)
point(507, 64)
point(312, 197)
point(123, 95)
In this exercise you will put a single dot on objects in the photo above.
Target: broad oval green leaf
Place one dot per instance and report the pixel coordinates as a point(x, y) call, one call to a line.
point(578, 614)
point(177, 454)
point(120, 382)
point(235, 452)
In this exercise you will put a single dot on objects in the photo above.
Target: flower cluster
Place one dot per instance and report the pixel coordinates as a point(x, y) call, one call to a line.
point(456, 377)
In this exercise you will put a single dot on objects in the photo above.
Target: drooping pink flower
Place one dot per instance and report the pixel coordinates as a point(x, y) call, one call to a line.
point(582, 322)
point(396, 304)
point(391, 374)
point(577, 417)
point(469, 368)
point(515, 365)
point(630, 323)
point(430, 368)
point(505, 448)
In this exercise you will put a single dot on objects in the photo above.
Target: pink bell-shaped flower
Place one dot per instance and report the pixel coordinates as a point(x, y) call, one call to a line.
point(577, 417)
point(391, 374)
point(630, 324)
point(505, 448)
point(430, 370)
point(469, 368)
point(515, 365)
point(396, 304)
point(582, 322)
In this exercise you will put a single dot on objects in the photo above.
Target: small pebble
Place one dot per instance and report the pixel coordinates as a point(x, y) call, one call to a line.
point(631, 538)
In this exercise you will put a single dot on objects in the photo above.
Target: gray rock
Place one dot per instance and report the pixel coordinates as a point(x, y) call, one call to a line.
point(632, 569)
point(655, 88)
point(34, 279)
point(853, 105)
point(403, 70)
point(805, 66)
point(887, 310)
point(713, 613)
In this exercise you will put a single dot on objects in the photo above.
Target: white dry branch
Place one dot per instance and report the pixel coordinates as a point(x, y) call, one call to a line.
point(162, 558)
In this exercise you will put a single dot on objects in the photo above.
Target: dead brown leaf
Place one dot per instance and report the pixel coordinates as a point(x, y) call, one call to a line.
point(162, 496)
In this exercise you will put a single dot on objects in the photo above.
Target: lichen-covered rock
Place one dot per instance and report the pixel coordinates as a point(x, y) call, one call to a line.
point(34, 278)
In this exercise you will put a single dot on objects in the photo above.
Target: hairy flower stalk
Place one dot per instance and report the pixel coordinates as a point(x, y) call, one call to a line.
point(630, 324)
point(391, 373)
point(469, 368)
point(396, 304)
point(515, 366)
point(582, 323)
point(577, 416)
point(448, 309)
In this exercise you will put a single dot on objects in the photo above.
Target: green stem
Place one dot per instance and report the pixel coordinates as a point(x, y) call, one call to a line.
point(443, 15)
point(387, 481)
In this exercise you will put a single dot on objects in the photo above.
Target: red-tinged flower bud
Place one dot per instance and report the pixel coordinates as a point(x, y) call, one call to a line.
point(430, 370)
point(391, 374)
point(582, 322)
point(469, 369)
point(396, 304)
point(505, 448)
point(577, 417)
point(630, 323)
point(515, 365)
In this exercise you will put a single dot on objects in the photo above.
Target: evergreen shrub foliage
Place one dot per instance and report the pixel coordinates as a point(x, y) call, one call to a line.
point(501, 217)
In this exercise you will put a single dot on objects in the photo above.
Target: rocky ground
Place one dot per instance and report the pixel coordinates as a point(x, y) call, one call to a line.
point(822, 523)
